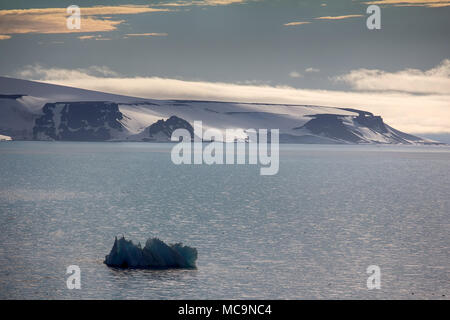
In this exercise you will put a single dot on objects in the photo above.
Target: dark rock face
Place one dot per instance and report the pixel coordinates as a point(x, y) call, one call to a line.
point(373, 122)
point(353, 129)
point(78, 121)
point(164, 129)
point(12, 96)
point(332, 126)
point(376, 123)
point(367, 119)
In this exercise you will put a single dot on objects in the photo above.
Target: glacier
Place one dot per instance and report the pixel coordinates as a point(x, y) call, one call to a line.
point(155, 255)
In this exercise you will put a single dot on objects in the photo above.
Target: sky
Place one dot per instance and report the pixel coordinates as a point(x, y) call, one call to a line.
point(277, 51)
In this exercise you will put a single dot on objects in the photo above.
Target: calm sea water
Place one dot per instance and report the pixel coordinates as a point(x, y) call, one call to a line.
point(308, 232)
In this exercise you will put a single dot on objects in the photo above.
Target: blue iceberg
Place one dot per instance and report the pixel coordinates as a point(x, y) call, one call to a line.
point(155, 255)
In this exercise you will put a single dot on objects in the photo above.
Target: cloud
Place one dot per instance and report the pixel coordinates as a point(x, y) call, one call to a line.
point(295, 74)
point(89, 37)
point(53, 20)
point(56, 74)
point(433, 81)
point(416, 3)
point(429, 113)
point(4, 37)
point(93, 37)
point(152, 34)
point(340, 17)
point(296, 23)
point(202, 3)
point(312, 70)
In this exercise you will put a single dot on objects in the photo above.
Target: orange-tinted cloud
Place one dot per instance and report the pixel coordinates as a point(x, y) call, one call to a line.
point(415, 3)
point(340, 17)
point(296, 23)
point(202, 3)
point(150, 34)
point(53, 20)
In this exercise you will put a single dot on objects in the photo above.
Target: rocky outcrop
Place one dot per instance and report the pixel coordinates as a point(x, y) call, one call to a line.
point(78, 121)
point(363, 128)
point(330, 126)
point(162, 130)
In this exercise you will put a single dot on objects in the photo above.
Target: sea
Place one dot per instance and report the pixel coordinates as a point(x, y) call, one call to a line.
point(315, 230)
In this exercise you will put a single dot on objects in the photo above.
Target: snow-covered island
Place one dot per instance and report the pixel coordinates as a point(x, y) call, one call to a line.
point(39, 111)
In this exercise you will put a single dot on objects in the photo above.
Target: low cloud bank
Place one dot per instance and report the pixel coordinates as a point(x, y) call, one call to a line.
point(436, 80)
point(398, 103)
